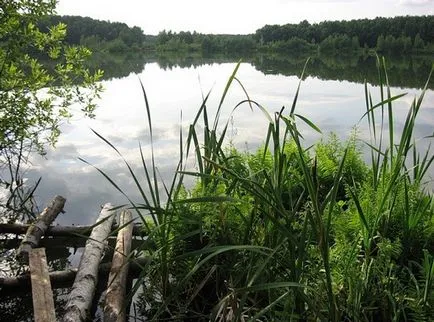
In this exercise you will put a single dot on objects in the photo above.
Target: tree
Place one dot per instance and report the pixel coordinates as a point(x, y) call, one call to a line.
point(355, 43)
point(40, 77)
point(418, 42)
point(186, 37)
point(381, 43)
point(162, 37)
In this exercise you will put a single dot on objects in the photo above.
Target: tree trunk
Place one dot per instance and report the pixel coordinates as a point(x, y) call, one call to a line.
point(115, 304)
point(37, 230)
point(83, 289)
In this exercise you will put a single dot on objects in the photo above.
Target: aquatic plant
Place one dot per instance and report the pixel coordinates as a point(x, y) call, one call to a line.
point(289, 232)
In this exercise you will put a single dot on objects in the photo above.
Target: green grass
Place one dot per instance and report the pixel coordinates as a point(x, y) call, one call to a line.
point(289, 232)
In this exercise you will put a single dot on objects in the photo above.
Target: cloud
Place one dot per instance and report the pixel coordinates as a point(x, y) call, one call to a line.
point(316, 1)
point(417, 3)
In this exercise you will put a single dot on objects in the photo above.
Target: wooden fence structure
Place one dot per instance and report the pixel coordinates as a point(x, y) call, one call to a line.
point(84, 279)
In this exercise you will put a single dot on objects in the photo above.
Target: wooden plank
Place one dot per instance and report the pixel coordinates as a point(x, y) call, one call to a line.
point(115, 304)
point(37, 230)
point(80, 298)
point(42, 295)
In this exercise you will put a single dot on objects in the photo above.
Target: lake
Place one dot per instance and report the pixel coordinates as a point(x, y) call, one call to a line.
point(331, 95)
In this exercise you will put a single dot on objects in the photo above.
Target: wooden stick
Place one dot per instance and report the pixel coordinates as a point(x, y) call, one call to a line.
point(82, 292)
point(61, 231)
point(37, 230)
point(115, 305)
point(42, 295)
point(64, 279)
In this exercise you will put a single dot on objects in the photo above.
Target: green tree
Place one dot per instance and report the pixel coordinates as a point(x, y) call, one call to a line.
point(418, 42)
point(162, 37)
point(40, 77)
point(186, 37)
point(407, 44)
point(355, 43)
point(380, 43)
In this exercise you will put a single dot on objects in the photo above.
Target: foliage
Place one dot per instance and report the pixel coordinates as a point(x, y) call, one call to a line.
point(43, 82)
point(291, 46)
point(187, 41)
point(290, 232)
point(36, 98)
point(399, 30)
point(96, 34)
point(339, 43)
point(395, 35)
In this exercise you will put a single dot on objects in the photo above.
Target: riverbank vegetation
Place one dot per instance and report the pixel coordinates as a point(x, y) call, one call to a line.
point(290, 232)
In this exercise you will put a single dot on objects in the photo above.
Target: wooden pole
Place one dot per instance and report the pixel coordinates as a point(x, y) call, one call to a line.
point(115, 304)
point(37, 230)
point(42, 295)
point(82, 292)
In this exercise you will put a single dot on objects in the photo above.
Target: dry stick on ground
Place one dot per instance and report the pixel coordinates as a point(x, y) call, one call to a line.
point(114, 309)
point(42, 295)
point(82, 292)
point(62, 279)
point(37, 230)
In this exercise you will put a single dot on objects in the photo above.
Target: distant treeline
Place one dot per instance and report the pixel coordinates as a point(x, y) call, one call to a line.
point(407, 34)
point(395, 35)
point(404, 34)
point(187, 41)
point(96, 34)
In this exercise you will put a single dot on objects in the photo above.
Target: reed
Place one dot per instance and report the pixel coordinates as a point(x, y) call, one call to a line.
point(289, 232)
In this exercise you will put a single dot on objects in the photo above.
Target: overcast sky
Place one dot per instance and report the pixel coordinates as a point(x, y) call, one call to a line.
point(236, 16)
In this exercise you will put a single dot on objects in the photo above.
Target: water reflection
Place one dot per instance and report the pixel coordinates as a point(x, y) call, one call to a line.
point(404, 71)
point(334, 105)
point(331, 95)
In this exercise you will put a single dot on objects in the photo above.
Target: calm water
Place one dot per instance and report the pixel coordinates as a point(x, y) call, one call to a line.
point(332, 96)
point(333, 103)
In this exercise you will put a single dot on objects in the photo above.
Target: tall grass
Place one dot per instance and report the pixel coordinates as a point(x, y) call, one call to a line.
point(290, 232)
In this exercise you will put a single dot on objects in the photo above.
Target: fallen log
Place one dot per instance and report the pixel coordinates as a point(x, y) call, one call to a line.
point(62, 231)
point(42, 295)
point(115, 304)
point(72, 242)
point(82, 292)
point(37, 229)
point(64, 279)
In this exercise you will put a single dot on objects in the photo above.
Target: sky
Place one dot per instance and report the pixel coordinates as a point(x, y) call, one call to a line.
point(235, 16)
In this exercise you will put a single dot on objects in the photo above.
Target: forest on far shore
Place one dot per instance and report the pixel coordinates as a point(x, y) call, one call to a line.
point(409, 34)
